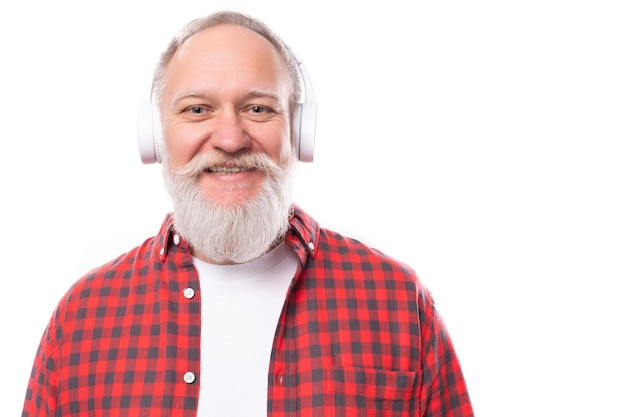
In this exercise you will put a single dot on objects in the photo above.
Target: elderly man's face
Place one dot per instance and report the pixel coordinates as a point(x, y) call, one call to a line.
point(226, 92)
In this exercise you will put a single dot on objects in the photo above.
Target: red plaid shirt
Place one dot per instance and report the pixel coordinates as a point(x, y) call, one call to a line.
point(358, 336)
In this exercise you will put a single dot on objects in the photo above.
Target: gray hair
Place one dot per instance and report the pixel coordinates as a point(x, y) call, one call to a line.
point(235, 18)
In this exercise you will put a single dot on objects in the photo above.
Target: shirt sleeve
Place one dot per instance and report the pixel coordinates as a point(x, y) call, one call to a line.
point(443, 390)
point(41, 393)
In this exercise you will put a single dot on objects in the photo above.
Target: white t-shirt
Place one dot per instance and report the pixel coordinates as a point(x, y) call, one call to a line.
point(241, 305)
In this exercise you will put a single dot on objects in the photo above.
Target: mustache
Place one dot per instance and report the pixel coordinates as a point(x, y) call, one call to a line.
point(247, 160)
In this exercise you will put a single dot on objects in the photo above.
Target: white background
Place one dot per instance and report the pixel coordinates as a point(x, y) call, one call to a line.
point(482, 142)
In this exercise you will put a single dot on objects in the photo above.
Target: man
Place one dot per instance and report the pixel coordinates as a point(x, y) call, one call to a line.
point(242, 305)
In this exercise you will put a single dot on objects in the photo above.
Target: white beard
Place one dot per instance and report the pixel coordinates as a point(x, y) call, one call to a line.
point(236, 233)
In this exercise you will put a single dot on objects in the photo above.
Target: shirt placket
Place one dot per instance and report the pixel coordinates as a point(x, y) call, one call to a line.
point(283, 367)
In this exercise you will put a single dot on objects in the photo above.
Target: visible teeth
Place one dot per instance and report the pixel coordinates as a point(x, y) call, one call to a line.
point(227, 170)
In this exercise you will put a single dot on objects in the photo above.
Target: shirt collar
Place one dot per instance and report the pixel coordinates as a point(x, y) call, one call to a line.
point(302, 236)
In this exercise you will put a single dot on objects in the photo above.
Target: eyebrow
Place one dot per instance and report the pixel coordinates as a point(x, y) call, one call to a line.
point(259, 92)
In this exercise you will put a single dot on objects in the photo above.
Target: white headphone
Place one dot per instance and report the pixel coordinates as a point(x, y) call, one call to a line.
point(150, 133)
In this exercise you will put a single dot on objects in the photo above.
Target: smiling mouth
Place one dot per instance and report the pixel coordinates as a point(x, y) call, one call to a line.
point(227, 170)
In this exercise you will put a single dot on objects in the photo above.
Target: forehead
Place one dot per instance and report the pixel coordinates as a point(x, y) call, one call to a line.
point(227, 56)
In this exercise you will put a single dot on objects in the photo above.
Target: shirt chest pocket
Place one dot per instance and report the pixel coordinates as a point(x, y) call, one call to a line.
point(369, 392)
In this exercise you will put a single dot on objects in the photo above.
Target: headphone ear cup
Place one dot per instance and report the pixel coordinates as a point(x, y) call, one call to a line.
point(306, 134)
point(296, 121)
point(148, 133)
point(306, 117)
point(145, 135)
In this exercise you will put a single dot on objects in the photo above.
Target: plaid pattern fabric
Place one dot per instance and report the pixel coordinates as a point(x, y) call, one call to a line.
point(358, 336)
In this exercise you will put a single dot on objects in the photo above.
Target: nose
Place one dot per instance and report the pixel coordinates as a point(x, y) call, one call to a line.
point(228, 134)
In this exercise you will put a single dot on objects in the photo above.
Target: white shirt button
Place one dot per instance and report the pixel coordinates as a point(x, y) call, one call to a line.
point(311, 245)
point(176, 239)
point(189, 377)
point(189, 293)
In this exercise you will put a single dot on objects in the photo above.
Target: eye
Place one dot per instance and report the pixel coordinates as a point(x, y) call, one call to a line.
point(259, 112)
point(259, 109)
point(195, 110)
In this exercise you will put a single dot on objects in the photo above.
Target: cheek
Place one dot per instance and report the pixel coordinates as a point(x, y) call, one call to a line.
point(276, 141)
point(181, 142)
